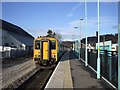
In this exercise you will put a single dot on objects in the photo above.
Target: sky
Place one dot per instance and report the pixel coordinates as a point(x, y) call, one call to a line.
point(61, 17)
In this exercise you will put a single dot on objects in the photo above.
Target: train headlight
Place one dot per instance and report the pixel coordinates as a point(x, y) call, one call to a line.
point(53, 56)
point(37, 56)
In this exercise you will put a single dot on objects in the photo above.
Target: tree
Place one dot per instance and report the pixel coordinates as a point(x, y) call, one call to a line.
point(49, 33)
point(54, 34)
point(58, 36)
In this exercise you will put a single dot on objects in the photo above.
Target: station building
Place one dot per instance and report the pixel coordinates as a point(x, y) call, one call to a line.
point(15, 37)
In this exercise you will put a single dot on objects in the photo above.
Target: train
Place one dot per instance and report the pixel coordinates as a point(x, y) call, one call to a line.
point(47, 50)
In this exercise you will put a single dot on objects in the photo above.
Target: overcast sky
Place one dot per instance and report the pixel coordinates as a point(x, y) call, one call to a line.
point(37, 17)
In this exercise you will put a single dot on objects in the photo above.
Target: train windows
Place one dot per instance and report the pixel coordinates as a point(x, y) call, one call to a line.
point(37, 44)
point(53, 44)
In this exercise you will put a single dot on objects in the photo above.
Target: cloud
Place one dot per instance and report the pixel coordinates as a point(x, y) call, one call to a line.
point(77, 6)
point(107, 25)
point(73, 9)
point(70, 14)
point(74, 23)
point(92, 22)
point(68, 31)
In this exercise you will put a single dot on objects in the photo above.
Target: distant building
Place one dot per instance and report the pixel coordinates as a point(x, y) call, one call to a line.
point(89, 46)
point(93, 40)
point(108, 37)
point(14, 37)
point(108, 45)
point(115, 47)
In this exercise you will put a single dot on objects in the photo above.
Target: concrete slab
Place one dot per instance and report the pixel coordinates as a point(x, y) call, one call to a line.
point(71, 73)
point(61, 77)
point(67, 78)
point(84, 77)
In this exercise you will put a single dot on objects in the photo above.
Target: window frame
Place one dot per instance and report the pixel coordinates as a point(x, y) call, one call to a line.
point(37, 42)
point(51, 45)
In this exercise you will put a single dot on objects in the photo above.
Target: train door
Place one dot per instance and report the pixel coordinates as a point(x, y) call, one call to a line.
point(45, 50)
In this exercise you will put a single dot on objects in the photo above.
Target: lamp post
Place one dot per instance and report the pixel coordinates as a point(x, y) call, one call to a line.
point(98, 58)
point(86, 58)
point(77, 44)
point(119, 47)
point(80, 36)
point(119, 55)
point(73, 43)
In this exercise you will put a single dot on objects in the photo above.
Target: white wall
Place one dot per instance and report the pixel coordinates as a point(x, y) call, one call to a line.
point(4, 37)
point(0, 48)
point(0, 37)
point(18, 40)
point(7, 38)
point(11, 39)
point(23, 39)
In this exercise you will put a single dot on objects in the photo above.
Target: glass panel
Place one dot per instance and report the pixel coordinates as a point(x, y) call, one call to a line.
point(37, 44)
point(53, 44)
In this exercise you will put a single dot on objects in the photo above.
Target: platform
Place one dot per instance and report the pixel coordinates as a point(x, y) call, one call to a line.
point(71, 73)
point(61, 77)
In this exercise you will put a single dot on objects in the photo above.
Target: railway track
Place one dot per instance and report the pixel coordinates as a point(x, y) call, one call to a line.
point(38, 80)
point(34, 79)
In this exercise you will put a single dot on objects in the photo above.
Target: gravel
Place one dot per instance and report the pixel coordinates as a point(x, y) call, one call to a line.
point(13, 74)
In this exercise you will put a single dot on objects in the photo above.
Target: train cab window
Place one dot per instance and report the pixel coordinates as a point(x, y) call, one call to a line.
point(37, 44)
point(53, 44)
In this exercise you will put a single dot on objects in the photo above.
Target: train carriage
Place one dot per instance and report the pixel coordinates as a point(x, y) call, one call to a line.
point(45, 50)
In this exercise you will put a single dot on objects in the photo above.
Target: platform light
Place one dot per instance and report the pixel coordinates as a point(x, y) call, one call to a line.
point(80, 36)
point(119, 56)
point(98, 58)
point(119, 46)
point(86, 58)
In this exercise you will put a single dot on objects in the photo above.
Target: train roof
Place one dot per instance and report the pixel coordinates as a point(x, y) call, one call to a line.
point(13, 28)
point(44, 37)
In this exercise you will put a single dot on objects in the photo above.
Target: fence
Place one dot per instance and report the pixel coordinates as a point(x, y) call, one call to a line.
point(16, 54)
point(109, 64)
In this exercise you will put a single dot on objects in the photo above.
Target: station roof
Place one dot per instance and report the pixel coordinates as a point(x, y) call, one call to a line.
point(13, 28)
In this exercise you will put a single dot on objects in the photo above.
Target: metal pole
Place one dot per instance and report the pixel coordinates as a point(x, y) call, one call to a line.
point(80, 40)
point(80, 36)
point(77, 45)
point(103, 42)
point(73, 43)
point(119, 46)
point(119, 55)
point(98, 58)
point(86, 58)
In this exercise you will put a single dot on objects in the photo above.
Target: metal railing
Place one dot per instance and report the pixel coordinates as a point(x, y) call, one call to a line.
point(109, 66)
point(16, 54)
point(109, 63)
